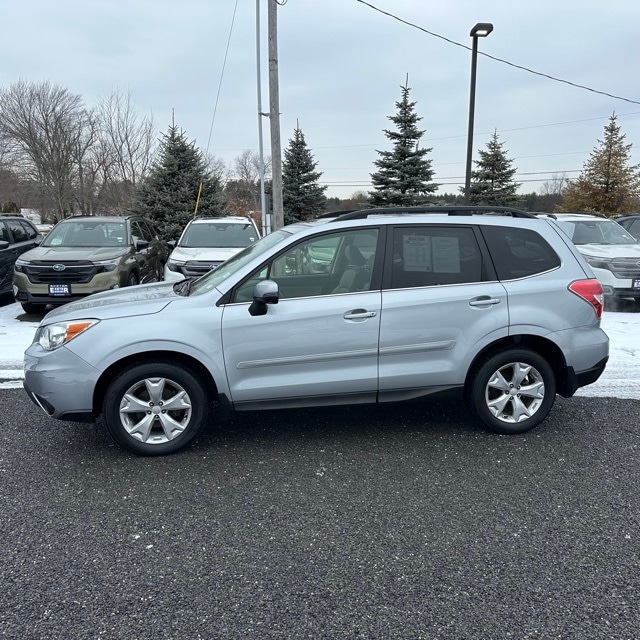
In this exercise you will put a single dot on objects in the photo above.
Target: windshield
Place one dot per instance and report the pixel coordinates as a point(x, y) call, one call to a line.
point(235, 263)
point(86, 233)
point(218, 234)
point(596, 232)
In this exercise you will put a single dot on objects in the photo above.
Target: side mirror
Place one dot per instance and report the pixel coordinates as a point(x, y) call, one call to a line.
point(264, 293)
point(3, 245)
point(172, 243)
point(141, 245)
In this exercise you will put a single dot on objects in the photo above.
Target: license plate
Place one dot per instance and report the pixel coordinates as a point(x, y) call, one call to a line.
point(59, 290)
point(635, 284)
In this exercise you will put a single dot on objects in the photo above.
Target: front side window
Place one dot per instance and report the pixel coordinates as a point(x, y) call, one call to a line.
point(330, 263)
point(428, 256)
point(140, 231)
point(29, 230)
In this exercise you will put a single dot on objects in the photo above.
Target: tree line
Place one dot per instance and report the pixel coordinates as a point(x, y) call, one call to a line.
point(62, 157)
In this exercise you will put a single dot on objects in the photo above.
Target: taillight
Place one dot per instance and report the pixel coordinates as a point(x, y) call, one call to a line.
point(591, 291)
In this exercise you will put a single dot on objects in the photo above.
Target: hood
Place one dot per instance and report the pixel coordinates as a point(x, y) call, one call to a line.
point(130, 301)
point(205, 254)
point(611, 250)
point(74, 253)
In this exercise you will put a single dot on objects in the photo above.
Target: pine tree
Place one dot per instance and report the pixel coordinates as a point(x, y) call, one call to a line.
point(405, 174)
point(608, 183)
point(168, 196)
point(492, 180)
point(302, 196)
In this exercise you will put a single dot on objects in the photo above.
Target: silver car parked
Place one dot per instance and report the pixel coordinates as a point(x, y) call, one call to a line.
point(373, 306)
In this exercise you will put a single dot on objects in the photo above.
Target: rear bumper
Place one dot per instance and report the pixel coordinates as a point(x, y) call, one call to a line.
point(574, 380)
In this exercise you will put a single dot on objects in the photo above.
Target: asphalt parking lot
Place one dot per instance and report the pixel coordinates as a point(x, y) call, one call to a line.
point(364, 522)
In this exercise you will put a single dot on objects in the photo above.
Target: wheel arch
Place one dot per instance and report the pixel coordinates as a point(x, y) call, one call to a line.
point(542, 346)
point(172, 357)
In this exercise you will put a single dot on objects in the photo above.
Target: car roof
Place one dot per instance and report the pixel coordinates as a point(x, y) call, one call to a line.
point(230, 219)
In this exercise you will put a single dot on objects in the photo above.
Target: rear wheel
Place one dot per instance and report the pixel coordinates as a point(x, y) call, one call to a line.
point(513, 391)
point(155, 409)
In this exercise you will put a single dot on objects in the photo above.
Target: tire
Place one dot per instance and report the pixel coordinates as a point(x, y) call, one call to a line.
point(32, 307)
point(133, 280)
point(133, 411)
point(513, 391)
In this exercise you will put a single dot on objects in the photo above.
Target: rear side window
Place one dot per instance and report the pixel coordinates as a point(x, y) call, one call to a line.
point(518, 253)
point(428, 256)
point(19, 232)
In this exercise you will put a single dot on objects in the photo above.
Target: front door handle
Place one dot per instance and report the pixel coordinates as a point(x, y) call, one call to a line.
point(359, 314)
point(483, 301)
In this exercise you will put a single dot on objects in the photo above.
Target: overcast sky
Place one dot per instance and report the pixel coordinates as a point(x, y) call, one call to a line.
point(341, 65)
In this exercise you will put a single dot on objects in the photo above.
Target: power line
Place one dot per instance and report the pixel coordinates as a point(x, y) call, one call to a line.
point(511, 64)
point(224, 64)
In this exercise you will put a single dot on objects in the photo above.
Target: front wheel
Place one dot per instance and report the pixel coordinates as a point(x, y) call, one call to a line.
point(32, 307)
point(513, 391)
point(133, 280)
point(155, 409)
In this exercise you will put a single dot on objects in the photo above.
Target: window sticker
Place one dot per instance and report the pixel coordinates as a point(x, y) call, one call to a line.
point(446, 254)
point(416, 251)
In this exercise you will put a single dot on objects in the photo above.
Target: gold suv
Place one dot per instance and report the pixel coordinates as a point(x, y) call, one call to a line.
point(82, 255)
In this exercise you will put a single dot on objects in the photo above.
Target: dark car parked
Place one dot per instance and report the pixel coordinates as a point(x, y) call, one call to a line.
point(83, 255)
point(631, 224)
point(17, 235)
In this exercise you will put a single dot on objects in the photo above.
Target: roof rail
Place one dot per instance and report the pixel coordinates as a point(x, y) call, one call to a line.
point(452, 210)
point(335, 214)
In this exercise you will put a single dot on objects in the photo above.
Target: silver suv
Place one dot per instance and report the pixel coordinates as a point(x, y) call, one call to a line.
point(206, 243)
point(611, 251)
point(373, 306)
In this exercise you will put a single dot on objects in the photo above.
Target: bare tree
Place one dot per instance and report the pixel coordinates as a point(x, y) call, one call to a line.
point(125, 149)
point(43, 127)
point(551, 192)
point(243, 186)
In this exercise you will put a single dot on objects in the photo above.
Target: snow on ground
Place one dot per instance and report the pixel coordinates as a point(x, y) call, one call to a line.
point(621, 378)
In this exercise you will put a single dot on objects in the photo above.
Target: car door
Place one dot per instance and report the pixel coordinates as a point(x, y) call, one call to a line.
point(22, 238)
point(319, 343)
point(441, 303)
point(8, 257)
point(142, 240)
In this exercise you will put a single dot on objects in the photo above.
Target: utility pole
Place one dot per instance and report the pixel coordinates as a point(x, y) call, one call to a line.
point(266, 221)
point(274, 117)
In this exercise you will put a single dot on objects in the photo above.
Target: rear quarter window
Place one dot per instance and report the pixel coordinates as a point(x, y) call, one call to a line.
point(518, 253)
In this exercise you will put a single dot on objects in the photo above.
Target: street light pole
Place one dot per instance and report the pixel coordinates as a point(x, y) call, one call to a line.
point(481, 30)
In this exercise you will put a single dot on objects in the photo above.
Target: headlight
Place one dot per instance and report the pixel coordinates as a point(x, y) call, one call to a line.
point(19, 264)
point(599, 263)
point(107, 265)
point(52, 336)
point(174, 265)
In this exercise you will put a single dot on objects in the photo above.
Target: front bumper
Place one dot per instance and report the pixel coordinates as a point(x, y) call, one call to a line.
point(38, 293)
point(60, 383)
